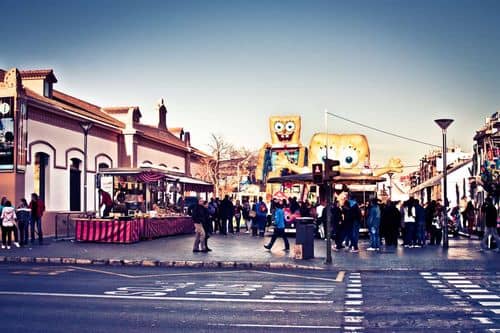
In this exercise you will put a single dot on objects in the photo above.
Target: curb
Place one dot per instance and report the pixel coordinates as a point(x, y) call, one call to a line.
point(156, 263)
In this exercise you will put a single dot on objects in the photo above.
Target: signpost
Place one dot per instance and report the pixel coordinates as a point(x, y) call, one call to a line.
point(331, 171)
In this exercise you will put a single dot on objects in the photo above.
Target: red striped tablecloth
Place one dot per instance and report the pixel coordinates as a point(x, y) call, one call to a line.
point(167, 226)
point(107, 230)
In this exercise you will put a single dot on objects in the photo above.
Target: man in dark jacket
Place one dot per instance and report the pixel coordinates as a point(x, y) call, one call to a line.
point(199, 216)
point(491, 216)
point(226, 215)
point(391, 219)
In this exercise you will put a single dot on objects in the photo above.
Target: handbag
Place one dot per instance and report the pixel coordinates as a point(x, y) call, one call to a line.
point(252, 213)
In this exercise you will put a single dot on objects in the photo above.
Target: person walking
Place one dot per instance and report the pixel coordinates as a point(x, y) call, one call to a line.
point(420, 224)
point(198, 220)
point(212, 211)
point(246, 215)
point(392, 220)
point(279, 228)
point(226, 215)
point(9, 217)
point(337, 225)
point(491, 216)
point(238, 208)
point(261, 216)
point(352, 219)
point(470, 216)
point(408, 219)
point(437, 224)
point(207, 224)
point(23, 221)
point(37, 209)
point(373, 223)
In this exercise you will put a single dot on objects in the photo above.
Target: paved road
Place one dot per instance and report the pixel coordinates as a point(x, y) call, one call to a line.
point(44, 298)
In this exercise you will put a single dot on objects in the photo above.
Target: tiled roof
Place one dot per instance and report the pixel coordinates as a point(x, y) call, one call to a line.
point(38, 74)
point(81, 104)
point(118, 109)
point(155, 133)
point(69, 105)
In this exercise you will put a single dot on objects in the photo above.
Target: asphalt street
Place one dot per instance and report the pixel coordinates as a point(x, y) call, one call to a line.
point(64, 298)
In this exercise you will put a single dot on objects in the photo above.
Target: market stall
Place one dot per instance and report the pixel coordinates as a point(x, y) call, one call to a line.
point(143, 205)
point(108, 230)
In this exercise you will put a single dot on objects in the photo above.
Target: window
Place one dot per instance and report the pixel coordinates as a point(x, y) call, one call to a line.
point(47, 89)
point(102, 166)
point(41, 175)
point(75, 182)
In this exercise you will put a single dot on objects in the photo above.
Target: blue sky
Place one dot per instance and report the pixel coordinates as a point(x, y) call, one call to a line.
point(226, 66)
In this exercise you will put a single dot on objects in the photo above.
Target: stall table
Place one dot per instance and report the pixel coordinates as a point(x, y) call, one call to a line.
point(166, 226)
point(108, 230)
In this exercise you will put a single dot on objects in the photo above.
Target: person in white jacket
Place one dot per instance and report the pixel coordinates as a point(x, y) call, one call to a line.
point(9, 225)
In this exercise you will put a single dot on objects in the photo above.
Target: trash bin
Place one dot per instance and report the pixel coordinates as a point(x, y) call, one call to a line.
point(305, 236)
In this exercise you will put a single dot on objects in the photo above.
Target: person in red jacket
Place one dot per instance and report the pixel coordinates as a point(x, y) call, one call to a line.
point(105, 201)
point(37, 209)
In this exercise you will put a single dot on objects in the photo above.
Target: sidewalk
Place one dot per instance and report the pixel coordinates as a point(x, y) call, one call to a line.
point(245, 251)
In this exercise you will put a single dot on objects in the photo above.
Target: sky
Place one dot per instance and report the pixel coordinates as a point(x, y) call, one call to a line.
point(224, 67)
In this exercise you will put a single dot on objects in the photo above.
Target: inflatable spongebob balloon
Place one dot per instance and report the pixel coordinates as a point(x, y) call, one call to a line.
point(285, 146)
point(351, 150)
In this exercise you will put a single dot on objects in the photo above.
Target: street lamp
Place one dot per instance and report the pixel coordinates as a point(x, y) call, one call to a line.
point(443, 124)
point(86, 129)
point(390, 184)
point(328, 193)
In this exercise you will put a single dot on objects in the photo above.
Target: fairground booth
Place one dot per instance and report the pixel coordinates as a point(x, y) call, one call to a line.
point(147, 203)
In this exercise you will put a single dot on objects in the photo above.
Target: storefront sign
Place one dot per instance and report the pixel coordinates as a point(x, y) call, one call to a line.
point(7, 133)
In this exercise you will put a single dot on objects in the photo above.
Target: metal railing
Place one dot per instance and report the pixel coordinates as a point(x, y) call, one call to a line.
point(65, 225)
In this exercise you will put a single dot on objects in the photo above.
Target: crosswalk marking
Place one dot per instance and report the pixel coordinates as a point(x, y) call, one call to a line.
point(490, 303)
point(474, 291)
point(484, 297)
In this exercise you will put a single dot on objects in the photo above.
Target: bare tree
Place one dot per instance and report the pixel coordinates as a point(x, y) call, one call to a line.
point(226, 165)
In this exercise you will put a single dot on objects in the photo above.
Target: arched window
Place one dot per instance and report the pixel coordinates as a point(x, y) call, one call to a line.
point(75, 182)
point(103, 166)
point(41, 173)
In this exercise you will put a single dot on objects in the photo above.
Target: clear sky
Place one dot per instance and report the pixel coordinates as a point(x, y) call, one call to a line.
point(226, 66)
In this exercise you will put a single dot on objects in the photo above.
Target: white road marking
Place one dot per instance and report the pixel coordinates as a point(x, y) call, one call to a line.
point(353, 319)
point(296, 275)
point(354, 285)
point(189, 299)
point(353, 302)
point(490, 303)
point(496, 311)
point(483, 320)
point(354, 296)
point(353, 290)
point(433, 281)
point(275, 326)
point(425, 273)
point(460, 282)
point(474, 291)
point(353, 328)
point(466, 286)
point(354, 281)
point(447, 273)
point(484, 296)
point(269, 310)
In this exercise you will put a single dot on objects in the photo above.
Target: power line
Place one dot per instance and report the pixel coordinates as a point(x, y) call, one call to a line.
point(382, 131)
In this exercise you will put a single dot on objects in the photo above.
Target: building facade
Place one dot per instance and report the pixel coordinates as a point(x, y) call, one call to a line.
point(46, 136)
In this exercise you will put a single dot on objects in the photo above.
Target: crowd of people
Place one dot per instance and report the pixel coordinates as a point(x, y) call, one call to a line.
point(416, 224)
point(18, 224)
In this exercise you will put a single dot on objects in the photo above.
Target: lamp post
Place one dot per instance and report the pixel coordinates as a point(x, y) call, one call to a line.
point(443, 124)
point(390, 184)
point(328, 193)
point(86, 128)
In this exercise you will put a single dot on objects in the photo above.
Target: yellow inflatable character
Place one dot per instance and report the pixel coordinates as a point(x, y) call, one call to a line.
point(351, 150)
point(285, 146)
